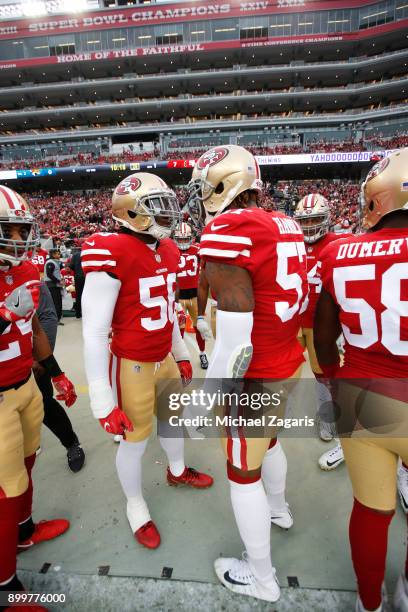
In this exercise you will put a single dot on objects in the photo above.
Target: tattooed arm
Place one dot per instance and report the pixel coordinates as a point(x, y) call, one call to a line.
point(232, 286)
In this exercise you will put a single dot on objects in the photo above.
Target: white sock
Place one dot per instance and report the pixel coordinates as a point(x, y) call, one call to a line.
point(274, 468)
point(129, 468)
point(323, 396)
point(252, 515)
point(174, 449)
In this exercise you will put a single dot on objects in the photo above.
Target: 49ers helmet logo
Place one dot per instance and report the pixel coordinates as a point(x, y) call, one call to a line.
point(131, 183)
point(378, 168)
point(212, 157)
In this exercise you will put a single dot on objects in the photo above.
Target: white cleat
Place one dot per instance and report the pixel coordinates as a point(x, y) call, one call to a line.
point(402, 484)
point(118, 438)
point(401, 595)
point(237, 576)
point(331, 459)
point(283, 519)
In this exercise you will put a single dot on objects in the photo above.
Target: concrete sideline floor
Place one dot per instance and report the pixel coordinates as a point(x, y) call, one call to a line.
point(196, 526)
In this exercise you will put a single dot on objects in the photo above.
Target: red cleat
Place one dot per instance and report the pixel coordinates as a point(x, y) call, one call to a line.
point(44, 530)
point(191, 478)
point(148, 535)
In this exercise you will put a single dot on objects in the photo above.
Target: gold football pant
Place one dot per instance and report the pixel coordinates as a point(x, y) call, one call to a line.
point(379, 438)
point(305, 338)
point(21, 417)
point(191, 307)
point(245, 452)
point(137, 386)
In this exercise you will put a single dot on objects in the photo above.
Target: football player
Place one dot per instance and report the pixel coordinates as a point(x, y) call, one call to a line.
point(39, 257)
point(248, 253)
point(313, 216)
point(21, 413)
point(365, 295)
point(187, 279)
point(130, 288)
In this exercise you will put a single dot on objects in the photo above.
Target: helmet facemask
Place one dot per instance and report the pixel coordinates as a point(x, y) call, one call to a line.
point(17, 250)
point(156, 213)
point(183, 237)
point(312, 232)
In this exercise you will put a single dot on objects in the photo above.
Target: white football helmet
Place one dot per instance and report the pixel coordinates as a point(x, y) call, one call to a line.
point(183, 236)
point(313, 215)
point(219, 176)
point(144, 203)
point(14, 210)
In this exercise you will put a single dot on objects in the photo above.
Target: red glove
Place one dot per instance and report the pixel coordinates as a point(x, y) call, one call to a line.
point(182, 319)
point(116, 422)
point(65, 389)
point(186, 372)
point(21, 302)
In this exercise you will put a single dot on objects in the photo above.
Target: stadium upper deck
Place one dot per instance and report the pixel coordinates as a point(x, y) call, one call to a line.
point(135, 73)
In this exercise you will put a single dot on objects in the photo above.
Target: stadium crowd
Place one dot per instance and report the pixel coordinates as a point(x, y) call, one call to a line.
point(70, 216)
point(189, 151)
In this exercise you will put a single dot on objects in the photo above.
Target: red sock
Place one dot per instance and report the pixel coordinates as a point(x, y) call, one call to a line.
point(27, 496)
point(368, 531)
point(9, 513)
point(200, 341)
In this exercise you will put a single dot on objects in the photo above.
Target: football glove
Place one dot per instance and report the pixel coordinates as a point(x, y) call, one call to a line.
point(186, 372)
point(21, 302)
point(204, 328)
point(65, 389)
point(116, 422)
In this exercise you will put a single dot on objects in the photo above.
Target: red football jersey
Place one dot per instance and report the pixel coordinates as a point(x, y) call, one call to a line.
point(271, 248)
point(189, 268)
point(69, 279)
point(16, 342)
point(144, 313)
point(367, 277)
point(39, 259)
point(313, 275)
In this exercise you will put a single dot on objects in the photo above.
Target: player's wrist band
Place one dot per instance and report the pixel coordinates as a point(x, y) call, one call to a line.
point(51, 365)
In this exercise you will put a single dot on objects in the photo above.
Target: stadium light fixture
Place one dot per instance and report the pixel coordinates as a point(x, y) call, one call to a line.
point(374, 15)
point(93, 42)
point(198, 32)
point(304, 23)
point(398, 8)
point(34, 9)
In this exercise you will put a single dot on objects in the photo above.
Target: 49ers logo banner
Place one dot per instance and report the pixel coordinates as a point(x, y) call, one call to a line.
point(131, 183)
point(212, 157)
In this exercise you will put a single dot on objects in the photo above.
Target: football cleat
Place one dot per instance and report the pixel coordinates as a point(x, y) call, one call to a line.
point(203, 361)
point(402, 484)
point(191, 478)
point(43, 531)
point(75, 457)
point(401, 595)
point(237, 576)
point(148, 535)
point(284, 519)
point(331, 459)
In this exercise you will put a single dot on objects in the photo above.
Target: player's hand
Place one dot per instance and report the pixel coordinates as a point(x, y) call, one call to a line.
point(65, 389)
point(22, 302)
point(181, 318)
point(116, 422)
point(204, 328)
point(186, 372)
